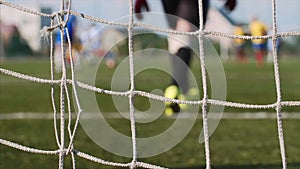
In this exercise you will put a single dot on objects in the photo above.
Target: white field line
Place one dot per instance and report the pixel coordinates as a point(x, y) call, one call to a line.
point(114, 115)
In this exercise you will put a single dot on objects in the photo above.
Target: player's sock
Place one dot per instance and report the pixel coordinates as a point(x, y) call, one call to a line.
point(180, 68)
point(260, 58)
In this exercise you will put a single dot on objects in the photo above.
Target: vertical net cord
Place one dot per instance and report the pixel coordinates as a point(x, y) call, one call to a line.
point(74, 89)
point(132, 87)
point(62, 92)
point(278, 88)
point(52, 85)
point(62, 104)
point(68, 99)
point(204, 83)
point(65, 88)
point(67, 95)
point(68, 11)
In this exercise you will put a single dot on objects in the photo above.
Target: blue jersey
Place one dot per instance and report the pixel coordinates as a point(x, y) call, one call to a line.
point(71, 26)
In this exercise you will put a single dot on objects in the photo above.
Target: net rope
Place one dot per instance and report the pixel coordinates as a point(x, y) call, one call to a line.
point(60, 122)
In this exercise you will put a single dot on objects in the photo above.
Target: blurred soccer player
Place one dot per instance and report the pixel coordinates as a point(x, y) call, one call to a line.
point(239, 44)
point(257, 28)
point(187, 18)
point(71, 25)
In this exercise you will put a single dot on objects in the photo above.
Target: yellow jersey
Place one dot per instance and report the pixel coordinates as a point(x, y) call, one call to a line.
point(239, 31)
point(258, 29)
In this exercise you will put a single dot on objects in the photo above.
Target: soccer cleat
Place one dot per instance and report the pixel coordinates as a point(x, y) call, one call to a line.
point(171, 109)
point(173, 92)
point(182, 106)
point(169, 112)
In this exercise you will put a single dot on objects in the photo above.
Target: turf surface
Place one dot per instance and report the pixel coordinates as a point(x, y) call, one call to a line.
point(236, 144)
point(246, 83)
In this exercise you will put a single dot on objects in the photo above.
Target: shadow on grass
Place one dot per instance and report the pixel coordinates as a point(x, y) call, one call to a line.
point(257, 166)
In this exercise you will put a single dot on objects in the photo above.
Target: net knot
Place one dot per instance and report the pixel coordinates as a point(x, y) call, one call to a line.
point(63, 24)
point(70, 150)
point(133, 164)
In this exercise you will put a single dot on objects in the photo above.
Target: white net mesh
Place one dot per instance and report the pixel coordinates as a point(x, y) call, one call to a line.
point(64, 106)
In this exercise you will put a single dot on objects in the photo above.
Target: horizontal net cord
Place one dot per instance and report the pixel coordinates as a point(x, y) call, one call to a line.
point(143, 25)
point(287, 34)
point(165, 99)
point(69, 81)
point(215, 33)
point(192, 33)
point(146, 94)
point(23, 9)
point(28, 77)
point(62, 12)
point(253, 106)
point(27, 149)
point(218, 102)
point(91, 18)
point(100, 161)
point(290, 103)
point(90, 87)
point(149, 166)
point(248, 37)
point(76, 152)
point(241, 105)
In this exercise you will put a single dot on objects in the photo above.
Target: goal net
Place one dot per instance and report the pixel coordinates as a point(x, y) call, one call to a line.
point(67, 132)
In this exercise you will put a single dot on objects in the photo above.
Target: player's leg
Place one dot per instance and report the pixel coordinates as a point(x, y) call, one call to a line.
point(187, 21)
point(240, 53)
point(259, 54)
point(170, 8)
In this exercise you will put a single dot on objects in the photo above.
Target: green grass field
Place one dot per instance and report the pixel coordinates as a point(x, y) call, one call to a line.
point(246, 83)
point(236, 144)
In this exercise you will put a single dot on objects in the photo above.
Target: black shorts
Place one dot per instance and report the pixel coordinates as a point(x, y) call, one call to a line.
point(186, 9)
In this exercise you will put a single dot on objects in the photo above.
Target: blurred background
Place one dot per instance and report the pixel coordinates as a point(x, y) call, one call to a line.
point(22, 31)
